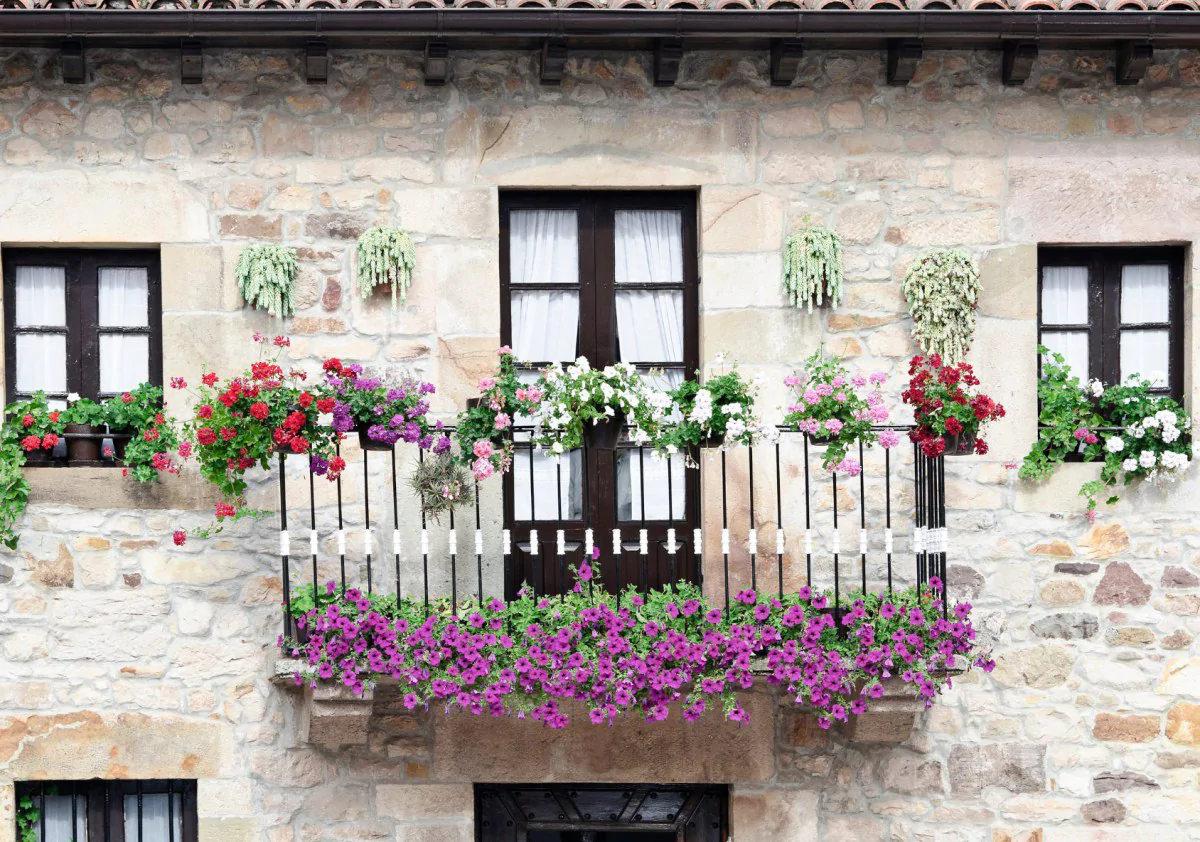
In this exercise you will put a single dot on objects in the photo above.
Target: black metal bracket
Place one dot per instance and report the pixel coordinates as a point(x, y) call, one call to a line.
point(1017, 65)
point(554, 61)
point(903, 56)
point(74, 67)
point(191, 63)
point(1133, 59)
point(668, 55)
point(785, 61)
point(316, 62)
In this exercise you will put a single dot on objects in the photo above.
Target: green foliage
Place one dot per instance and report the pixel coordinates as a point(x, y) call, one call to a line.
point(14, 490)
point(718, 411)
point(84, 411)
point(1151, 439)
point(578, 395)
point(139, 412)
point(266, 275)
point(442, 483)
point(385, 256)
point(942, 288)
point(24, 421)
point(483, 431)
point(812, 268)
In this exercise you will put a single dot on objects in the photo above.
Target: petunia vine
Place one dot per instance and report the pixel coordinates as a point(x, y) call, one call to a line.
point(634, 653)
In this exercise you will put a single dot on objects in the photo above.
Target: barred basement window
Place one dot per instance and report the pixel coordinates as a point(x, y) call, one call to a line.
point(107, 811)
point(1113, 312)
point(88, 322)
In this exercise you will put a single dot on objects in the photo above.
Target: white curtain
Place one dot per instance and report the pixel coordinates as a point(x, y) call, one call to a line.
point(1145, 295)
point(41, 301)
point(649, 246)
point(543, 247)
point(1146, 352)
point(1065, 302)
point(157, 815)
point(124, 358)
point(545, 324)
point(57, 814)
point(649, 250)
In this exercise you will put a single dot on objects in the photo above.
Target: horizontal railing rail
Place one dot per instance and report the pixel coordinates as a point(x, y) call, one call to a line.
point(766, 517)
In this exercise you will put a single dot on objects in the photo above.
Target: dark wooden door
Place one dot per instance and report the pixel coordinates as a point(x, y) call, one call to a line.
point(602, 813)
point(600, 490)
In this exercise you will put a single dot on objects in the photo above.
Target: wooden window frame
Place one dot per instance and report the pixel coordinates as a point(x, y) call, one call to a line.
point(1104, 265)
point(82, 268)
point(105, 804)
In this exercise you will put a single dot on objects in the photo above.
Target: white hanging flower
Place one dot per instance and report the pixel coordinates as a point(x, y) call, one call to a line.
point(1130, 464)
point(1115, 444)
point(1166, 416)
point(1150, 423)
point(733, 409)
point(1097, 388)
point(734, 428)
point(1169, 433)
point(1147, 459)
point(1173, 461)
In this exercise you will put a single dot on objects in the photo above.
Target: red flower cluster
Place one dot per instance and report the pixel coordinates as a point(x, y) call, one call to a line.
point(945, 403)
point(46, 442)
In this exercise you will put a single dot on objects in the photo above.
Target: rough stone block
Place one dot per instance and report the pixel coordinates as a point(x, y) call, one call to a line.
point(332, 716)
point(1183, 724)
point(1014, 766)
point(790, 814)
point(424, 802)
point(1131, 728)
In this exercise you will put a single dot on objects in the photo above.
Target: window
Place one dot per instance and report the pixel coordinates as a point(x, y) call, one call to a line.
point(601, 813)
point(107, 811)
point(1113, 312)
point(87, 322)
point(613, 277)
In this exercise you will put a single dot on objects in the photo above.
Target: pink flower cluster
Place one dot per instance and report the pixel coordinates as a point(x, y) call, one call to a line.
point(641, 654)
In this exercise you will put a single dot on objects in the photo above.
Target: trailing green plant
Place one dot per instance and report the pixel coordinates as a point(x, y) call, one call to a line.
point(29, 426)
point(14, 490)
point(1138, 434)
point(153, 434)
point(483, 430)
point(29, 815)
point(385, 256)
point(266, 275)
point(442, 483)
point(84, 411)
point(942, 288)
point(812, 268)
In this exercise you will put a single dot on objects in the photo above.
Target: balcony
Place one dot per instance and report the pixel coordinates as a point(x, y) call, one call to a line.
point(761, 518)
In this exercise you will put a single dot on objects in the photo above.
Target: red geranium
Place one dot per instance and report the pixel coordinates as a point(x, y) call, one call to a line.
point(326, 404)
point(945, 403)
point(206, 436)
point(49, 440)
point(259, 410)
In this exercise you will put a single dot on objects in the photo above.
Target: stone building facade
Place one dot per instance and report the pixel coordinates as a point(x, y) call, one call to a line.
point(125, 657)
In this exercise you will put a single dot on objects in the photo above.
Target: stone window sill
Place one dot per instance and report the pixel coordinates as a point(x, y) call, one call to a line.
point(105, 488)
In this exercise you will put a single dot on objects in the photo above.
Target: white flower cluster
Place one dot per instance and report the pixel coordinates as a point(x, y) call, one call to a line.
point(579, 395)
point(1147, 458)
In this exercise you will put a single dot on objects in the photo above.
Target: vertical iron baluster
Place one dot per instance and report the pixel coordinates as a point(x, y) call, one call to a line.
point(478, 545)
point(170, 811)
point(74, 812)
point(779, 515)
point(396, 526)
point(919, 478)
point(561, 569)
point(312, 525)
point(453, 567)
point(424, 544)
point(725, 529)
point(337, 445)
point(807, 521)
point(533, 554)
point(642, 480)
point(943, 542)
point(887, 506)
point(671, 518)
point(42, 811)
point(585, 479)
point(287, 581)
point(753, 526)
point(367, 515)
point(139, 808)
point(837, 585)
point(862, 512)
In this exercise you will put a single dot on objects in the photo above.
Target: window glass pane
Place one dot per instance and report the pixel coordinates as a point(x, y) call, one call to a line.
point(124, 361)
point(662, 498)
point(1064, 295)
point(1145, 294)
point(157, 817)
point(57, 813)
point(41, 296)
point(543, 247)
point(557, 486)
point(650, 325)
point(649, 246)
point(41, 362)
point(124, 297)
point(545, 325)
point(1146, 352)
point(1073, 347)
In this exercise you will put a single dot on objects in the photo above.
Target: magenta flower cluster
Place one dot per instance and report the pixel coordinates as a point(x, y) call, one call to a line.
point(644, 654)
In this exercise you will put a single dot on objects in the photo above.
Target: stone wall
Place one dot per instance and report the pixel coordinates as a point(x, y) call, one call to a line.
point(123, 656)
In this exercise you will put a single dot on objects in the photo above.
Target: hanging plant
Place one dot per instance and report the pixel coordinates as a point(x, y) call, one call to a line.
point(812, 268)
point(385, 256)
point(266, 277)
point(942, 288)
point(442, 483)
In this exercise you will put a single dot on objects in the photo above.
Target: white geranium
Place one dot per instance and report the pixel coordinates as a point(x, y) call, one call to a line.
point(734, 428)
point(733, 409)
point(1151, 422)
point(1174, 461)
point(1115, 444)
point(1130, 464)
point(1147, 459)
point(1170, 433)
point(1167, 417)
point(1097, 388)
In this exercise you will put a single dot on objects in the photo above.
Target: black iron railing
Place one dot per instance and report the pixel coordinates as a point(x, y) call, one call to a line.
point(760, 517)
